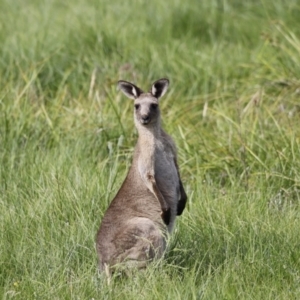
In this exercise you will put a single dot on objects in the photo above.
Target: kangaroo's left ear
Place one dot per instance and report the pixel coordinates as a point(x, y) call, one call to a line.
point(159, 87)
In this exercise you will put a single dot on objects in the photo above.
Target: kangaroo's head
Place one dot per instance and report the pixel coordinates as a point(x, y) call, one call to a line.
point(146, 105)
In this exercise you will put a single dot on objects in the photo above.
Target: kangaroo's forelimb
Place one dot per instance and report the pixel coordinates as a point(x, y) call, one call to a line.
point(149, 179)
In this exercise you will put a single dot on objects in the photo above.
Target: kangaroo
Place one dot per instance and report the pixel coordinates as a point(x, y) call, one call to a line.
point(135, 226)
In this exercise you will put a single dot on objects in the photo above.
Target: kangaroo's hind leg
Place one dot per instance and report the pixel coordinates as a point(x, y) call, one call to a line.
point(140, 242)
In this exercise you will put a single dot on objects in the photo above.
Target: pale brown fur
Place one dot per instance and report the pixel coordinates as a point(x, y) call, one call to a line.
point(134, 228)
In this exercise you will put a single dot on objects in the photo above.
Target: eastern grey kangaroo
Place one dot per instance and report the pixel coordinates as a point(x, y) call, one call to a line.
point(134, 227)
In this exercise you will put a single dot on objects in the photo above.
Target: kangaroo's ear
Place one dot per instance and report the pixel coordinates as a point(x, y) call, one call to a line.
point(129, 89)
point(159, 87)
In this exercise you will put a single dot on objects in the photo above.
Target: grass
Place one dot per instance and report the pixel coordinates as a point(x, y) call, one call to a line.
point(67, 137)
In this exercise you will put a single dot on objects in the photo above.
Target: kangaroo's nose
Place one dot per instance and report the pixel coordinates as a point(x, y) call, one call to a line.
point(145, 119)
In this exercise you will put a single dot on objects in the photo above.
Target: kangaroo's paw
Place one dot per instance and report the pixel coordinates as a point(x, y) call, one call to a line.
point(166, 215)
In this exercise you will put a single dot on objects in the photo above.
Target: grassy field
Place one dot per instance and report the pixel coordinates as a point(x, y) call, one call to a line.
point(67, 136)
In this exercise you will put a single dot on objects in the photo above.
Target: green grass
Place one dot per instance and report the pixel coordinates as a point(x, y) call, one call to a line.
point(67, 136)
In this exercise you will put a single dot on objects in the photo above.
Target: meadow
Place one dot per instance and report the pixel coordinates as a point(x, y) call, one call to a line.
point(67, 137)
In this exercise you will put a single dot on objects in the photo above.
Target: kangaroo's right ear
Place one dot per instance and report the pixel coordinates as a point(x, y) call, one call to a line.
point(129, 89)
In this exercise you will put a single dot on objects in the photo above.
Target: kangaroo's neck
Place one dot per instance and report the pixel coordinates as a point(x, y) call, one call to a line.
point(149, 139)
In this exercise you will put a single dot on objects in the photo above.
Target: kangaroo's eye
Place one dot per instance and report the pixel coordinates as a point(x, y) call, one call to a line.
point(137, 106)
point(154, 106)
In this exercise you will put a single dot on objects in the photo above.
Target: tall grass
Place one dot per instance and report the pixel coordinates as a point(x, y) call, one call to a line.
point(66, 140)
